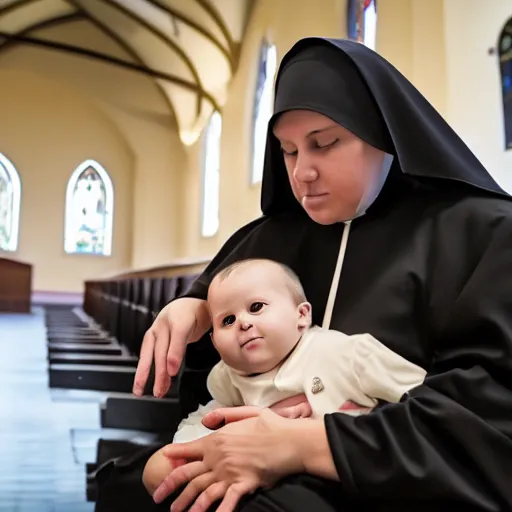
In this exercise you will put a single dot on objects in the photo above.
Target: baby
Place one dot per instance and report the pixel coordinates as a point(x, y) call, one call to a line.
point(272, 356)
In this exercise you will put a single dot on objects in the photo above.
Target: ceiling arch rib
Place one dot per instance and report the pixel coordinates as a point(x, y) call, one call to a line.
point(32, 27)
point(12, 38)
point(125, 46)
point(214, 14)
point(109, 59)
point(190, 48)
point(186, 20)
point(139, 18)
point(9, 5)
point(16, 17)
point(168, 44)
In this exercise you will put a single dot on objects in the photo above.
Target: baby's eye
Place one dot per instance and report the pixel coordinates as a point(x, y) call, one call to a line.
point(228, 320)
point(256, 306)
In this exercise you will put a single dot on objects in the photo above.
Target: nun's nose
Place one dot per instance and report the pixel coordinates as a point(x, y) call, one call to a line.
point(304, 170)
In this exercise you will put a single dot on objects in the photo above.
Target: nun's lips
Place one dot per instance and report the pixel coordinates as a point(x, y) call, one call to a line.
point(315, 195)
point(312, 200)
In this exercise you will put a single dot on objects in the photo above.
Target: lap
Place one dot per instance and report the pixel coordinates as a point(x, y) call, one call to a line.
point(120, 486)
point(304, 493)
point(120, 489)
point(299, 493)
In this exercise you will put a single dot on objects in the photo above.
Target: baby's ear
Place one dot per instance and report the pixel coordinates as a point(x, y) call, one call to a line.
point(305, 315)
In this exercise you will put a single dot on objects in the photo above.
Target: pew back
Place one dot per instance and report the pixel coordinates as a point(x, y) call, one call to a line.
point(126, 305)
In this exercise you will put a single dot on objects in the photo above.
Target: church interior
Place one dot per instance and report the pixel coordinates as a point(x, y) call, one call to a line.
point(135, 130)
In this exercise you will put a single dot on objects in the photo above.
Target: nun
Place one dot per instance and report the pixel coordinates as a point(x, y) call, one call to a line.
point(395, 229)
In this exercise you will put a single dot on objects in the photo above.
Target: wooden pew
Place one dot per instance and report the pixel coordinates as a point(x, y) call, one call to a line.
point(125, 305)
point(15, 286)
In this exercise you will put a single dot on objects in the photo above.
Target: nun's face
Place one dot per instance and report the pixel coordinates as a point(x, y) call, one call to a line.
point(329, 168)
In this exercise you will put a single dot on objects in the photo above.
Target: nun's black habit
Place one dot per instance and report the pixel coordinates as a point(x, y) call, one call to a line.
point(427, 271)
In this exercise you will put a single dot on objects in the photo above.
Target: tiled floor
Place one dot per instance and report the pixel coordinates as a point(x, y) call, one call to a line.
point(41, 460)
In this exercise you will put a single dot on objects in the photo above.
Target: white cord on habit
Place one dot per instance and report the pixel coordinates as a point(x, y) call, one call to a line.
point(336, 277)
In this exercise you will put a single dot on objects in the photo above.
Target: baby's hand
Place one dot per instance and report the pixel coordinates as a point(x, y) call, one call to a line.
point(293, 407)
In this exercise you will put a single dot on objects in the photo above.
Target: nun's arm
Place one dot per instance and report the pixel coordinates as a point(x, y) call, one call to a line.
point(450, 439)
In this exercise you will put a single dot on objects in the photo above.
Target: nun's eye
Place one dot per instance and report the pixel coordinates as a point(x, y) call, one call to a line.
point(323, 145)
point(288, 153)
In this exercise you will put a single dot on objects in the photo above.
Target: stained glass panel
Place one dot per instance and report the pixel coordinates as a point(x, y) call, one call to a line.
point(505, 56)
point(89, 212)
point(10, 195)
point(211, 175)
point(263, 107)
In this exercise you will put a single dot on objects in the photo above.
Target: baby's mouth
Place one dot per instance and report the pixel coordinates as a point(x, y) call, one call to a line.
point(249, 341)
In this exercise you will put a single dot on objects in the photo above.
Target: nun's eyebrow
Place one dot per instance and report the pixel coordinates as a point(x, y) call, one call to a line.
point(320, 130)
point(312, 132)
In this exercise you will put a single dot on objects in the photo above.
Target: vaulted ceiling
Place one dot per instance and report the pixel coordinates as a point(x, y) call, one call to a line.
point(189, 48)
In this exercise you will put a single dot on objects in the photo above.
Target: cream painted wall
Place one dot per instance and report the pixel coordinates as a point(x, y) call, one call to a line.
point(47, 131)
point(141, 118)
point(411, 35)
point(283, 24)
point(160, 165)
point(442, 47)
point(474, 101)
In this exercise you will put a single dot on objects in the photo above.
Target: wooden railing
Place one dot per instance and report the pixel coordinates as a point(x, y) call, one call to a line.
point(178, 267)
point(126, 304)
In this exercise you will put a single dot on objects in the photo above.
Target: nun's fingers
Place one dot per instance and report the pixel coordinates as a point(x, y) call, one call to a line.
point(178, 478)
point(197, 487)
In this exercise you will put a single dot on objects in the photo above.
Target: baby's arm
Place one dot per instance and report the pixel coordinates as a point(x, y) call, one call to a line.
point(382, 373)
point(158, 465)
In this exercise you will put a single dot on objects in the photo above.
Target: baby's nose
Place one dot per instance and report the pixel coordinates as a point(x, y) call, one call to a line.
point(245, 325)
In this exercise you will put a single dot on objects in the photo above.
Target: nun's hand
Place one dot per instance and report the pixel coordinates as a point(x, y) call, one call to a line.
point(236, 460)
point(294, 407)
point(181, 322)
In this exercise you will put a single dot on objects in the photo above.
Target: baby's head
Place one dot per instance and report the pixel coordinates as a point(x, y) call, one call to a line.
point(259, 312)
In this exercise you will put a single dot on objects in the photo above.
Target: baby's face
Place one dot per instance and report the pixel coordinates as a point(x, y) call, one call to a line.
point(256, 321)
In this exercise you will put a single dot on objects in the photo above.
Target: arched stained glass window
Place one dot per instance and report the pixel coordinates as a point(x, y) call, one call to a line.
point(505, 56)
point(362, 21)
point(211, 175)
point(10, 201)
point(89, 210)
point(263, 107)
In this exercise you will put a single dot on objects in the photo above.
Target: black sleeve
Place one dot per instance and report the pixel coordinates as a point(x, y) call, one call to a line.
point(233, 249)
point(450, 439)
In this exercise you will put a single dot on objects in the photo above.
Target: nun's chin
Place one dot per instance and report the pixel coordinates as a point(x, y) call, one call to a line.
point(325, 211)
point(322, 217)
